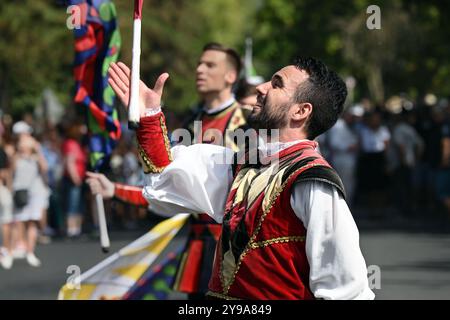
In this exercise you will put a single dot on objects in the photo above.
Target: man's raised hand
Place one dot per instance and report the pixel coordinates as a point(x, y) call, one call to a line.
point(119, 80)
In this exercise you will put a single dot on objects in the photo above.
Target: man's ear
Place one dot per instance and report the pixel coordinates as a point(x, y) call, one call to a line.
point(231, 77)
point(301, 111)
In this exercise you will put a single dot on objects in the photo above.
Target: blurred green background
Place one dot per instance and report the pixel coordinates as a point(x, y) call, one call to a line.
point(409, 54)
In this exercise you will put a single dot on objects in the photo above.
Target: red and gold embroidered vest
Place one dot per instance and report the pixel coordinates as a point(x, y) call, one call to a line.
point(261, 251)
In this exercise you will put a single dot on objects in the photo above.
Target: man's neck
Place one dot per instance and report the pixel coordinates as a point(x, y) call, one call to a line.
point(291, 134)
point(283, 137)
point(272, 145)
point(216, 99)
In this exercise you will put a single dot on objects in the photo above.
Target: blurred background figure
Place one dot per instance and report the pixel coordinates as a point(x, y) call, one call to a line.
point(30, 191)
point(405, 151)
point(75, 162)
point(343, 151)
point(6, 204)
point(246, 93)
point(443, 174)
point(52, 223)
point(432, 120)
point(372, 176)
point(126, 169)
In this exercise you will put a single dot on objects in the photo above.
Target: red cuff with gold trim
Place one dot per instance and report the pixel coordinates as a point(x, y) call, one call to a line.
point(153, 143)
point(130, 194)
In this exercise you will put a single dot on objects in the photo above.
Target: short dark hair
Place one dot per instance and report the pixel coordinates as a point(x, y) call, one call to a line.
point(232, 55)
point(244, 89)
point(326, 92)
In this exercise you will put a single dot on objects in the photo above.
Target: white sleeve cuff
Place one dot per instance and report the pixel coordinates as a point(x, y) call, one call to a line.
point(152, 111)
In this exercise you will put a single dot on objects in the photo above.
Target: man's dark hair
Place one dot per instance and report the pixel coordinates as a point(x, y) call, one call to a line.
point(233, 57)
point(244, 89)
point(325, 91)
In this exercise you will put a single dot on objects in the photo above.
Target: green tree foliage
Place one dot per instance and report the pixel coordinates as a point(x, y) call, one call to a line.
point(35, 53)
point(174, 32)
point(36, 47)
point(409, 54)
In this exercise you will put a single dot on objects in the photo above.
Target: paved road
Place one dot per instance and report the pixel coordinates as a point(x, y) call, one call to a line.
point(24, 282)
point(413, 265)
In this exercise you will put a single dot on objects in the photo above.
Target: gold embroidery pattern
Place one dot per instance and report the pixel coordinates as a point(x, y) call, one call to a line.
point(252, 242)
point(236, 121)
point(225, 111)
point(221, 296)
point(166, 138)
point(149, 165)
point(266, 243)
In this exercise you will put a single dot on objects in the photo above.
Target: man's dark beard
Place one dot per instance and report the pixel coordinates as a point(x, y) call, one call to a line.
point(264, 120)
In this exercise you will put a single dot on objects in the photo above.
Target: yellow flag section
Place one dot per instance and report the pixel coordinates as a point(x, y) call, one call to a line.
point(114, 276)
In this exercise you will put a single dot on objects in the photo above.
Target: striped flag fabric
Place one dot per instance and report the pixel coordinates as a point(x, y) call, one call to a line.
point(97, 44)
point(157, 282)
point(134, 271)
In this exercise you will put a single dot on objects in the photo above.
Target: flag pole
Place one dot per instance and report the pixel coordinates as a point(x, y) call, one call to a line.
point(104, 237)
point(133, 108)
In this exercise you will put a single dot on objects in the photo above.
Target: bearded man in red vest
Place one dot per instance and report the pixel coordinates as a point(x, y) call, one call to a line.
point(287, 232)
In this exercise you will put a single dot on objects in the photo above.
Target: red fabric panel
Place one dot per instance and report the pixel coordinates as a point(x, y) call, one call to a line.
point(151, 138)
point(138, 9)
point(130, 194)
point(191, 273)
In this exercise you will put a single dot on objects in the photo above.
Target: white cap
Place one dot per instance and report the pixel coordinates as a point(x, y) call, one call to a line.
point(21, 127)
point(356, 110)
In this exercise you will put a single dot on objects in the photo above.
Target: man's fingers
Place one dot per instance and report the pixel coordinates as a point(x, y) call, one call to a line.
point(104, 180)
point(114, 79)
point(119, 92)
point(118, 80)
point(121, 72)
point(95, 177)
point(115, 87)
point(123, 67)
point(91, 174)
point(93, 185)
point(159, 85)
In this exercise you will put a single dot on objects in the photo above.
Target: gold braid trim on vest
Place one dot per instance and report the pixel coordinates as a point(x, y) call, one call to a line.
point(266, 243)
point(220, 296)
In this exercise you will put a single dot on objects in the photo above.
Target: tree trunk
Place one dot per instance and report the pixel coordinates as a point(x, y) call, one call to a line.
point(375, 83)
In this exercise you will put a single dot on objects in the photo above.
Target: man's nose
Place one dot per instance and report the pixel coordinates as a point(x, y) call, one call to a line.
point(262, 88)
point(200, 68)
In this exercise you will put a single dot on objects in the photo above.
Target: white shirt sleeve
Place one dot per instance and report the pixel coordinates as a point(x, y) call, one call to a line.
point(337, 267)
point(196, 181)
